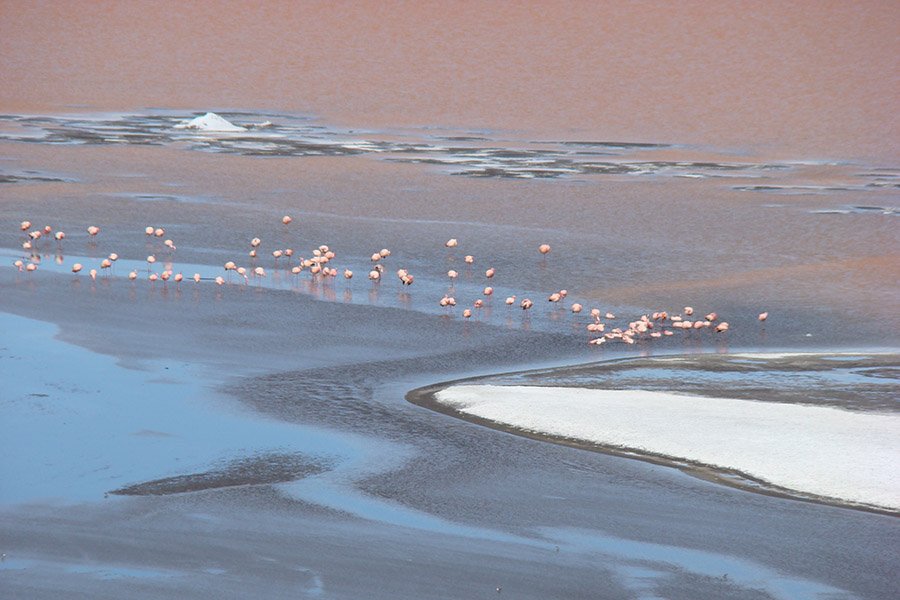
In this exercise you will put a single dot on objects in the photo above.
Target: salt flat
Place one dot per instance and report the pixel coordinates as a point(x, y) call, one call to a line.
point(815, 450)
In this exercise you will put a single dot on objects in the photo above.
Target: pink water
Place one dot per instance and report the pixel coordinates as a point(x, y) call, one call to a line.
point(814, 80)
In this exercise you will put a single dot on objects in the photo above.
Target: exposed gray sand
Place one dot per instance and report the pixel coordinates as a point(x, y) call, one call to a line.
point(249, 471)
point(680, 374)
point(452, 509)
point(389, 500)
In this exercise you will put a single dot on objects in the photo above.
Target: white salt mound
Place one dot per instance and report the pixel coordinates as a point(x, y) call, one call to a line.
point(210, 122)
point(816, 450)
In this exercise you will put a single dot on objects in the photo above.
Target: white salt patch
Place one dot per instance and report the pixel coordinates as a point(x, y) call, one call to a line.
point(210, 122)
point(816, 450)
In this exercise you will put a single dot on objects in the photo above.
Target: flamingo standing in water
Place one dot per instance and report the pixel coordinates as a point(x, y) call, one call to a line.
point(637, 331)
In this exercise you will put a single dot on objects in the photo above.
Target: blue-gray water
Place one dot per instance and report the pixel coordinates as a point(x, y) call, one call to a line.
point(190, 405)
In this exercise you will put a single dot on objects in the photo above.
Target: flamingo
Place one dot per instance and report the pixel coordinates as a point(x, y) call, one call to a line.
point(76, 267)
point(490, 272)
point(763, 316)
point(544, 249)
point(451, 243)
point(286, 219)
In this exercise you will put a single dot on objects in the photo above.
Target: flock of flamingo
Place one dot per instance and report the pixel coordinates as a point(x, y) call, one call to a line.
point(652, 325)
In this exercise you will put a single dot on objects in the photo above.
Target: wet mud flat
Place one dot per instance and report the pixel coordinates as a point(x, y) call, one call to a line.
point(260, 470)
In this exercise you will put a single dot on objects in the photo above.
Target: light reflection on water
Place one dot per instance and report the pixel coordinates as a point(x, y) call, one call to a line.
point(80, 426)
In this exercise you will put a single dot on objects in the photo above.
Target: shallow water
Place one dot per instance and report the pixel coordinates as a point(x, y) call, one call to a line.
point(256, 438)
point(861, 382)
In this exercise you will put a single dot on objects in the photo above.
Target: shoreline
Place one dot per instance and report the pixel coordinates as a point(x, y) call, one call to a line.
point(426, 397)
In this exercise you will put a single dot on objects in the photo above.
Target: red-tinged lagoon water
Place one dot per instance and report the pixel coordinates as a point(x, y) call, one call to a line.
point(735, 158)
point(808, 80)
